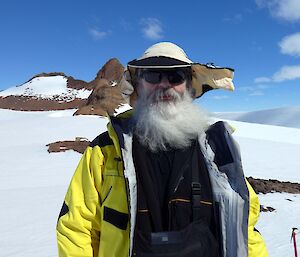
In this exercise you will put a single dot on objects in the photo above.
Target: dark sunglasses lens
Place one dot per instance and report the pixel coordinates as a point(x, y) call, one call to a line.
point(155, 77)
point(152, 77)
point(176, 77)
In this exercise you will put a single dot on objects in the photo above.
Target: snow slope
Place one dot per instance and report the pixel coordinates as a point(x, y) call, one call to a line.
point(287, 116)
point(33, 182)
point(54, 87)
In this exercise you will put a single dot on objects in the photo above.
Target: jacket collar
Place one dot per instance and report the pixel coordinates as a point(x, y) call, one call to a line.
point(118, 126)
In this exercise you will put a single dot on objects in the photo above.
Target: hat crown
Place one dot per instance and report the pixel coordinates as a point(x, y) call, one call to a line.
point(166, 49)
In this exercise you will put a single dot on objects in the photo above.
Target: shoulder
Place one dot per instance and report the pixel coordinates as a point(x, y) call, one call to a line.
point(220, 140)
point(117, 126)
point(219, 133)
point(219, 127)
point(102, 140)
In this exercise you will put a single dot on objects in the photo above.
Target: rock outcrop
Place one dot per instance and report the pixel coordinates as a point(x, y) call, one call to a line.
point(102, 98)
point(106, 95)
point(25, 103)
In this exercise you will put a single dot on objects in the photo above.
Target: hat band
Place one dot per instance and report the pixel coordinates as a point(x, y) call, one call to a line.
point(158, 62)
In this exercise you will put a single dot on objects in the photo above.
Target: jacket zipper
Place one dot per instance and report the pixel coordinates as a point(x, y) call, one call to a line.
point(108, 193)
point(178, 183)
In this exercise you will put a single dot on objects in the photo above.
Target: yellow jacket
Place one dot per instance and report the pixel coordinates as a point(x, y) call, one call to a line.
point(98, 215)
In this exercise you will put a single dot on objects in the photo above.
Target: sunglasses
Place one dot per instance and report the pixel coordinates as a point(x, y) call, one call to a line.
point(174, 77)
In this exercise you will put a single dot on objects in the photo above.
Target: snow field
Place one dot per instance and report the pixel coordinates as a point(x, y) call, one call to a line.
point(33, 182)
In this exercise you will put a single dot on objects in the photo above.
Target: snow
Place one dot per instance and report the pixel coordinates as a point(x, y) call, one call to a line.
point(54, 87)
point(285, 116)
point(276, 227)
point(262, 146)
point(33, 182)
point(122, 108)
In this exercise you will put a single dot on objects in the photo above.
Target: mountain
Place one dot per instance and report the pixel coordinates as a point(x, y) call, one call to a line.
point(286, 116)
point(57, 91)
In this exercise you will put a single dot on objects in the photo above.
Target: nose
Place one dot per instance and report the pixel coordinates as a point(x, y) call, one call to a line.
point(164, 83)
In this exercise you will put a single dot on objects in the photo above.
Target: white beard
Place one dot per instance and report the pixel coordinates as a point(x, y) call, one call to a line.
point(160, 125)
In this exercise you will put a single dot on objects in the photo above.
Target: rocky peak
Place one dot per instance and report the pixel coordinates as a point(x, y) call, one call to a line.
point(106, 95)
point(112, 70)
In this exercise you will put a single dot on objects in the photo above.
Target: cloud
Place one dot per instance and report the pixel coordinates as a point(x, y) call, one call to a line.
point(262, 80)
point(126, 25)
point(152, 28)
point(263, 86)
point(244, 88)
point(219, 97)
point(235, 18)
point(255, 90)
point(284, 74)
point(290, 44)
point(98, 34)
point(287, 73)
point(288, 10)
point(256, 93)
point(255, 46)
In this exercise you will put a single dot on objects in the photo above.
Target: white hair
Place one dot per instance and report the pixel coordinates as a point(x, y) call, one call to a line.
point(161, 125)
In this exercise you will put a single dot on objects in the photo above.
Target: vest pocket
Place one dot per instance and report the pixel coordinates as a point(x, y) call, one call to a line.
point(116, 218)
point(180, 213)
point(143, 220)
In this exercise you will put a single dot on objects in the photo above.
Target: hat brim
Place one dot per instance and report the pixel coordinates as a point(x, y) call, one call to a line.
point(158, 62)
point(207, 77)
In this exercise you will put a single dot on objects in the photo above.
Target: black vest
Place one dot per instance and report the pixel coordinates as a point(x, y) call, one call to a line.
point(174, 202)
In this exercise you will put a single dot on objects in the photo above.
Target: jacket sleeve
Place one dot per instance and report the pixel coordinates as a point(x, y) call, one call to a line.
point(256, 244)
point(78, 226)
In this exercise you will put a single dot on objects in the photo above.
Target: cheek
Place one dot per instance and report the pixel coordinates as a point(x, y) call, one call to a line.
point(145, 88)
point(180, 88)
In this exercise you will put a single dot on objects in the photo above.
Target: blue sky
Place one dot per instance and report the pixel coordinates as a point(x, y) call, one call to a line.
point(260, 39)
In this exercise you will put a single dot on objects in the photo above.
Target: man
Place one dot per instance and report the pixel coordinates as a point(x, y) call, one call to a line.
point(162, 181)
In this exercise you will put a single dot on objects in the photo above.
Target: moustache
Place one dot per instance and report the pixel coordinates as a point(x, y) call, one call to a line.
point(164, 95)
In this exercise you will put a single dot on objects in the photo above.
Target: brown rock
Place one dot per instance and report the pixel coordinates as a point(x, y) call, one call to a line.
point(48, 74)
point(103, 100)
point(272, 185)
point(26, 103)
point(78, 84)
point(62, 146)
point(106, 95)
point(266, 209)
point(111, 70)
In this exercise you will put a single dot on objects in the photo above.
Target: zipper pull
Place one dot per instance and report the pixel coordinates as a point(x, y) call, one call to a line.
point(178, 183)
